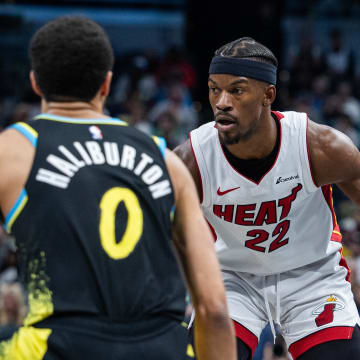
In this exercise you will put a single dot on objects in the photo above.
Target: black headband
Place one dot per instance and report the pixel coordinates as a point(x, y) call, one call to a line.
point(243, 67)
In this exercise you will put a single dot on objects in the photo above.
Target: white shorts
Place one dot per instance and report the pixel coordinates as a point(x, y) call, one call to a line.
point(311, 305)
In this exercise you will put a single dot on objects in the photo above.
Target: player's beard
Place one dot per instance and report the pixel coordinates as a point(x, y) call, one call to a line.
point(232, 139)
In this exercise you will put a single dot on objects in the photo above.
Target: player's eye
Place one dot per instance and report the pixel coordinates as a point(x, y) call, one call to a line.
point(237, 91)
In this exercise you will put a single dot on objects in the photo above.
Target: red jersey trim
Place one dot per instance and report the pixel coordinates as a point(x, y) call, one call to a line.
point(334, 333)
point(198, 169)
point(246, 336)
point(343, 263)
point(327, 192)
point(278, 116)
point(308, 152)
point(212, 231)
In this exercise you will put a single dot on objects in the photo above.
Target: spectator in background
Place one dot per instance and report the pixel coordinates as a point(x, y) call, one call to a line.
point(339, 59)
point(12, 309)
point(135, 114)
point(21, 112)
point(303, 104)
point(12, 305)
point(167, 126)
point(175, 65)
point(344, 123)
point(348, 103)
point(342, 102)
point(175, 104)
point(306, 63)
point(8, 258)
point(137, 78)
point(317, 97)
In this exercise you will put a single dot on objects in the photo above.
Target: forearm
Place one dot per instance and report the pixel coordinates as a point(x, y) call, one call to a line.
point(214, 337)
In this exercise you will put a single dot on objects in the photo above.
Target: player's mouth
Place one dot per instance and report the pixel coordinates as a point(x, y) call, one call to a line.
point(224, 123)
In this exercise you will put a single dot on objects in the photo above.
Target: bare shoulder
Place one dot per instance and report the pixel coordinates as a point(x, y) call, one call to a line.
point(16, 157)
point(326, 138)
point(9, 144)
point(185, 153)
point(333, 156)
point(12, 142)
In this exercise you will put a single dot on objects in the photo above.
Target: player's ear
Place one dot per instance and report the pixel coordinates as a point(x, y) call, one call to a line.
point(269, 95)
point(34, 84)
point(105, 86)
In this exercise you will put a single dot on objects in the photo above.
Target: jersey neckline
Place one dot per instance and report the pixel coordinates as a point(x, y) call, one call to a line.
point(46, 116)
point(277, 117)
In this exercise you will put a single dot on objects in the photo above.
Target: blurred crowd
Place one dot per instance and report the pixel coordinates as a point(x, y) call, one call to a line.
point(152, 93)
point(156, 95)
point(323, 81)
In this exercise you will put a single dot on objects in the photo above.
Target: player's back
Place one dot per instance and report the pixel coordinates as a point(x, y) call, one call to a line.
point(93, 225)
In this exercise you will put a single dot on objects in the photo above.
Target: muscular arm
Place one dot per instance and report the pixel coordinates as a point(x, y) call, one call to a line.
point(16, 157)
point(334, 159)
point(214, 333)
point(185, 153)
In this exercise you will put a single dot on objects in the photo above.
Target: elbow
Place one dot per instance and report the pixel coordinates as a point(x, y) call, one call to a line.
point(213, 311)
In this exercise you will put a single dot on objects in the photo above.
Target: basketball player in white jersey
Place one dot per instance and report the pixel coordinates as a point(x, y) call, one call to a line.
point(264, 179)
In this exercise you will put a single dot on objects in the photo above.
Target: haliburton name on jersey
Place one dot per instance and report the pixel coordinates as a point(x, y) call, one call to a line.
point(91, 153)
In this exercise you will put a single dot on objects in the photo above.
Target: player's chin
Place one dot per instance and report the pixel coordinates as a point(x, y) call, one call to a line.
point(228, 139)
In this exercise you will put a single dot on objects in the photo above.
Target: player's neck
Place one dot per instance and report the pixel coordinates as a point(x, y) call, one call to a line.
point(256, 147)
point(75, 109)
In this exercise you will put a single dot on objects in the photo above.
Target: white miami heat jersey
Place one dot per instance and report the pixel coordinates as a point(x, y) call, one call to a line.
point(280, 223)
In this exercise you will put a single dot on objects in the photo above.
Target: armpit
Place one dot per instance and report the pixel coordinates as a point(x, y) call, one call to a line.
point(333, 156)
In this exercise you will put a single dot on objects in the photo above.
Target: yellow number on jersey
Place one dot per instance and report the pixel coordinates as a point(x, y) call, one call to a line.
point(134, 227)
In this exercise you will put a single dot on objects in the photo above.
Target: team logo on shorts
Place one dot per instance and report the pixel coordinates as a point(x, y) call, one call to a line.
point(325, 311)
point(95, 132)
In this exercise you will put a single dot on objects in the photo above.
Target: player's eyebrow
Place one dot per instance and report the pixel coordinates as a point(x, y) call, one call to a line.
point(235, 82)
point(240, 81)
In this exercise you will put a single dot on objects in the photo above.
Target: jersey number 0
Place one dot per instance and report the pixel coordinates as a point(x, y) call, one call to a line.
point(134, 227)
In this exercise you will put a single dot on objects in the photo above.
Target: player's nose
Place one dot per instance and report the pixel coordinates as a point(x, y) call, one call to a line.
point(223, 102)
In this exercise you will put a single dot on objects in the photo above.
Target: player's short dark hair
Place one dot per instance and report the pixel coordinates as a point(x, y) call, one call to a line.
point(70, 57)
point(247, 48)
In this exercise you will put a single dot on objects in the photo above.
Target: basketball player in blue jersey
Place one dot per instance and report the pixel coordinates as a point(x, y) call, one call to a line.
point(96, 207)
point(264, 178)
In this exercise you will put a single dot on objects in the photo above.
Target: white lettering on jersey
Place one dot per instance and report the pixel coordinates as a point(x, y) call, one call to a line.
point(52, 178)
point(95, 152)
point(64, 166)
point(128, 157)
point(110, 154)
point(83, 153)
point(152, 174)
point(71, 157)
point(160, 189)
point(145, 160)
